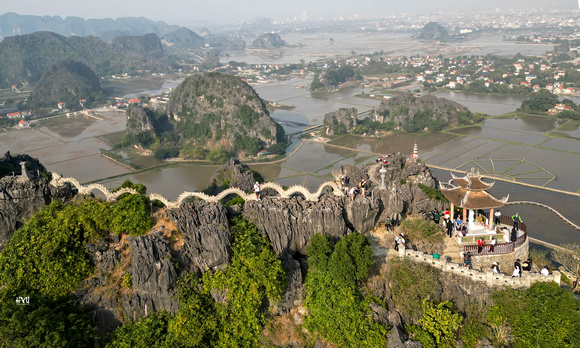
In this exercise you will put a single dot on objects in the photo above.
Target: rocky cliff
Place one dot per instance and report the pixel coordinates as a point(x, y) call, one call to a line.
point(23, 195)
point(183, 38)
point(412, 114)
point(342, 121)
point(434, 31)
point(222, 111)
point(269, 40)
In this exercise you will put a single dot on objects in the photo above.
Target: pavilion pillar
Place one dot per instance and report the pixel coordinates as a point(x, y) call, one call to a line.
point(491, 224)
point(464, 216)
point(452, 211)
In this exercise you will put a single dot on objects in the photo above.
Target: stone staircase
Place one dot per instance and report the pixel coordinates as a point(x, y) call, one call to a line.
point(452, 249)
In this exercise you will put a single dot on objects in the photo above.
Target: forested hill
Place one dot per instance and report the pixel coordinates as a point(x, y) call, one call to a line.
point(212, 112)
point(66, 81)
point(429, 113)
point(14, 24)
point(24, 58)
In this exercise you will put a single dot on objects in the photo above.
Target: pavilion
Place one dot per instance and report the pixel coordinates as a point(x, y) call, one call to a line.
point(469, 193)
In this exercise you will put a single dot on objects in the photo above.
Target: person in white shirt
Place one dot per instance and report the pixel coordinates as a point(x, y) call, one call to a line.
point(545, 271)
point(496, 217)
point(495, 268)
point(257, 190)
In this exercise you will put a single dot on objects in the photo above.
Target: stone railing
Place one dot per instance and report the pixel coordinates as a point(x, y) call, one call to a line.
point(58, 180)
point(488, 277)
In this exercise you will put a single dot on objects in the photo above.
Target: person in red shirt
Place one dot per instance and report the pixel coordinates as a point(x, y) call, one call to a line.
point(479, 245)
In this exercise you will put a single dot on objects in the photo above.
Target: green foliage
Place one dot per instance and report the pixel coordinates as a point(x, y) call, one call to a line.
point(337, 311)
point(424, 234)
point(140, 188)
point(236, 200)
point(369, 126)
point(441, 322)
point(540, 101)
point(417, 333)
point(350, 262)
point(248, 115)
point(127, 280)
point(334, 77)
point(545, 315)
point(165, 151)
point(44, 322)
point(254, 276)
point(217, 155)
point(433, 193)
point(131, 215)
point(277, 149)
point(149, 331)
point(246, 143)
point(47, 254)
point(410, 283)
point(316, 84)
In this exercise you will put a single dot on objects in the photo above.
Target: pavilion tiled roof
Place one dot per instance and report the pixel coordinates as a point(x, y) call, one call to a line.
point(463, 198)
point(471, 193)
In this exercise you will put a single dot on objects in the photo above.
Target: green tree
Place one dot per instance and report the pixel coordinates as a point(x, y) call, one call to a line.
point(545, 315)
point(131, 215)
point(441, 322)
point(540, 101)
point(149, 331)
point(44, 322)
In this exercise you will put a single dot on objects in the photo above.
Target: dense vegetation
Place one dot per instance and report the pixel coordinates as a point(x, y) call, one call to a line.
point(48, 48)
point(254, 277)
point(540, 101)
point(66, 81)
point(210, 116)
point(339, 312)
point(333, 77)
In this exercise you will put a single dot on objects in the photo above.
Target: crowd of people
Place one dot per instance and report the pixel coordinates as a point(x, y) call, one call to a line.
point(352, 191)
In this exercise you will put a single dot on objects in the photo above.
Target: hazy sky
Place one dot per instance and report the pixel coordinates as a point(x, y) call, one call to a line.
point(183, 11)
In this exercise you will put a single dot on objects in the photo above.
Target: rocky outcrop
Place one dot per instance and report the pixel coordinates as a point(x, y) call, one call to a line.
point(269, 40)
point(154, 277)
point(22, 196)
point(342, 121)
point(139, 119)
point(232, 174)
point(205, 229)
point(423, 113)
point(148, 45)
point(434, 31)
point(290, 223)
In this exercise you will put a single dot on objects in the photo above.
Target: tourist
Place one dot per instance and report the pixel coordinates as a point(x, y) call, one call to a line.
point(506, 234)
point(518, 266)
point(402, 239)
point(363, 186)
point(463, 230)
point(436, 216)
point(352, 192)
point(447, 214)
point(495, 268)
point(467, 259)
point(527, 265)
point(513, 235)
point(449, 226)
point(516, 272)
point(496, 217)
point(388, 225)
point(480, 243)
point(516, 219)
point(397, 241)
point(492, 244)
point(257, 190)
point(458, 223)
point(545, 271)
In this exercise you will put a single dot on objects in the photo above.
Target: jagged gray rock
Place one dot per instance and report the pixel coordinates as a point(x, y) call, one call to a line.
point(342, 121)
point(20, 200)
point(205, 230)
point(294, 290)
point(232, 174)
point(290, 223)
point(153, 275)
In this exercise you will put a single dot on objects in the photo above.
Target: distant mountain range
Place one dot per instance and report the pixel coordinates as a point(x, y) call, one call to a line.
point(24, 58)
point(12, 24)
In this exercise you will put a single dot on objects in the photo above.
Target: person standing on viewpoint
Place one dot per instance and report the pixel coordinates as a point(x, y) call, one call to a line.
point(516, 219)
point(257, 190)
point(496, 217)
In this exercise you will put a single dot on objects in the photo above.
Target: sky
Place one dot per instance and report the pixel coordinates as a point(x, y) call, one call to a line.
point(183, 11)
